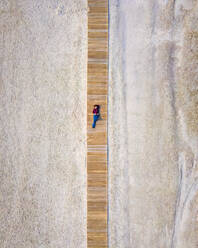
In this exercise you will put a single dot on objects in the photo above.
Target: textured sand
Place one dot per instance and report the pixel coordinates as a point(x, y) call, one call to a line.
point(43, 123)
point(153, 128)
point(153, 131)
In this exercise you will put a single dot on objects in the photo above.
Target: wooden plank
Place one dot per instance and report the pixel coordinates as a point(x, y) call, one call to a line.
point(103, 106)
point(98, 19)
point(101, 122)
point(101, 3)
point(97, 34)
point(98, 9)
point(97, 54)
point(96, 206)
point(95, 67)
point(97, 91)
point(94, 26)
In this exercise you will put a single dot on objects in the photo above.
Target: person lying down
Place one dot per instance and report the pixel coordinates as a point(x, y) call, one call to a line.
point(96, 115)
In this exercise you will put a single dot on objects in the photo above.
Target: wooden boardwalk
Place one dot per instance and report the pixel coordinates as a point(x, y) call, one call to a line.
point(97, 90)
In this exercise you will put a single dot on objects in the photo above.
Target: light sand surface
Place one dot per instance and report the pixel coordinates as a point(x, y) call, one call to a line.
point(153, 128)
point(43, 123)
point(152, 124)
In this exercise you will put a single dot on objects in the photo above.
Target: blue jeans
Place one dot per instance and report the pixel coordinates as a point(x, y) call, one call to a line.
point(95, 118)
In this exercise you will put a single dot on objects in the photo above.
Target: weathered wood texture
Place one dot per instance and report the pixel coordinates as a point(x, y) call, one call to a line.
point(97, 90)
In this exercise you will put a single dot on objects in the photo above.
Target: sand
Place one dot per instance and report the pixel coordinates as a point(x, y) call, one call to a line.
point(153, 132)
point(152, 124)
point(43, 123)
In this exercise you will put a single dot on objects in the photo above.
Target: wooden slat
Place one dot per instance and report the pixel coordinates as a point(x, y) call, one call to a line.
point(97, 90)
point(98, 19)
point(101, 90)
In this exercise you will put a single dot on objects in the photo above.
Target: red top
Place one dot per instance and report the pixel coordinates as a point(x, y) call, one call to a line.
point(96, 111)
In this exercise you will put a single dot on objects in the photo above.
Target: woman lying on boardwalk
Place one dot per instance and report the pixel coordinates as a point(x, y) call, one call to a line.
point(96, 115)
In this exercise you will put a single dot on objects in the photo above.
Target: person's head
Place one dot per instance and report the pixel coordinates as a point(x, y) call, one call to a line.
point(95, 106)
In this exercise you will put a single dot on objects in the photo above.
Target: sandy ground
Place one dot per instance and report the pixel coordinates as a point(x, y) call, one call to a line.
point(153, 132)
point(43, 123)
